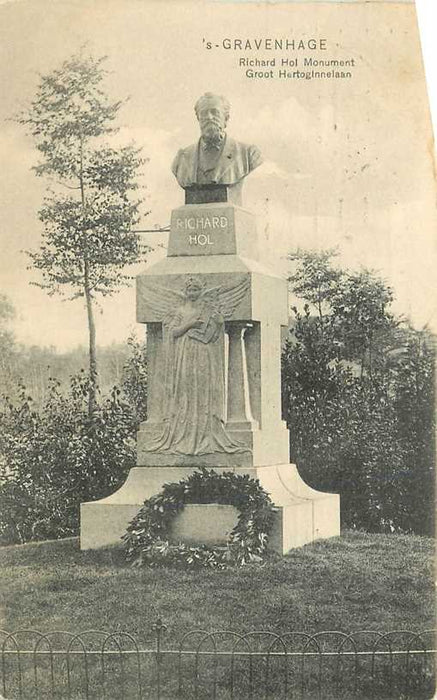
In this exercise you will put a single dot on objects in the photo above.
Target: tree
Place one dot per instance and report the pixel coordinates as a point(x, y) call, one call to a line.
point(352, 306)
point(413, 382)
point(360, 310)
point(315, 279)
point(358, 397)
point(87, 220)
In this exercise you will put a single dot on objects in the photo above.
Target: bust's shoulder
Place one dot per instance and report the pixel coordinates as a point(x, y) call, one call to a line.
point(249, 151)
point(240, 145)
point(187, 151)
point(183, 161)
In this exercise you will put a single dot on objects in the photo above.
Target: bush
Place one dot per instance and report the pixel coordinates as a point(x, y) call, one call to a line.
point(56, 457)
point(358, 398)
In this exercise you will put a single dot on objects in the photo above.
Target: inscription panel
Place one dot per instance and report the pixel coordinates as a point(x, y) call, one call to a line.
point(202, 232)
point(210, 230)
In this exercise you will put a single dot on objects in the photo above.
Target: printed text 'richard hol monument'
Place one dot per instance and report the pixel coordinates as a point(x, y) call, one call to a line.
point(214, 315)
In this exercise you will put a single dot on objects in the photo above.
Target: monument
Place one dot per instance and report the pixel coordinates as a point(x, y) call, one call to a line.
point(213, 314)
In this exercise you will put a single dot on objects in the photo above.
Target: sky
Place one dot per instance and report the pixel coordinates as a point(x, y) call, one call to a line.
point(347, 163)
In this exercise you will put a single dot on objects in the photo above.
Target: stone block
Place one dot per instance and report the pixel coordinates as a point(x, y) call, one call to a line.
point(296, 524)
point(207, 523)
point(212, 229)
point(264, 448)
point(146, 308)
point(103, 524)
point(304, 514)
point(214, 192)
point(264, 286)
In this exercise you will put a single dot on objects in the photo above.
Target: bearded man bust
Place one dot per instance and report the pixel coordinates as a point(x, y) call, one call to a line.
point(216, 159)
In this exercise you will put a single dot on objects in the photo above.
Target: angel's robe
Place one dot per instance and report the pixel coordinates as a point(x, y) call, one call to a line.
point(194, 387)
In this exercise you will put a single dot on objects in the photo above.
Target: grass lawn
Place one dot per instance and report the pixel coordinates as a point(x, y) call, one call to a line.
point(355, 582)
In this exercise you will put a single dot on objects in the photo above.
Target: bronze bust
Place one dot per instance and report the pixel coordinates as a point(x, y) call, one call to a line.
point(216, 159)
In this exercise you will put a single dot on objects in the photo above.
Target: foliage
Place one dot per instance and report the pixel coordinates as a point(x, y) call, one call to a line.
point(121, 364)
point(358, 397)
point(315, 279)
point(360, 315)
point(147, 537)
point(414, 404)
point(87, 238)
point(57, 457)
point(134, 379)
point(7, 313)
point(7, 342)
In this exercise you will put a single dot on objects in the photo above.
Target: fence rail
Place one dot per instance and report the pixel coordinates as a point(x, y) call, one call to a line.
point(220, 665)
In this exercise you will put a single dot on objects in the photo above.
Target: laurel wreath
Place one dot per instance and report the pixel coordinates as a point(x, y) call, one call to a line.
point(147, 537)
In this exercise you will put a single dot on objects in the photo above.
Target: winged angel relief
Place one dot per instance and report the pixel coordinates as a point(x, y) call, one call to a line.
point(194, 366)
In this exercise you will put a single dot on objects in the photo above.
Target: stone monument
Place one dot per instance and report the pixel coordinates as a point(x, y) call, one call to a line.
point(213, 314)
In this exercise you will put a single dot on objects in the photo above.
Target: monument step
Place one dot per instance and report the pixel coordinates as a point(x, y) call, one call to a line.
point(303, 516)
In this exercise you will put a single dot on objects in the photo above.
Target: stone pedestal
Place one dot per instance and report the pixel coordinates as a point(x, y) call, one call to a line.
point(217, 243)
point(304, 515)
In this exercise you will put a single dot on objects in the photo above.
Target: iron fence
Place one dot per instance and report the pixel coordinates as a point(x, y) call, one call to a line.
point(219, 665)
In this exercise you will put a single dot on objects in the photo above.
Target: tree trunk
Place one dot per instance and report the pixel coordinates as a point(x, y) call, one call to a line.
point(92, 392)
point(92, 400)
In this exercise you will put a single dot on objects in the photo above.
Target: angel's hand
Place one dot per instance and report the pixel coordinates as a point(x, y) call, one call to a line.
point(188, 325)
point(198, 323)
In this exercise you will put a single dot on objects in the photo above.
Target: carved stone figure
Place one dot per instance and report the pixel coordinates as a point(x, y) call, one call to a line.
point(215, 158)
point(193, 408)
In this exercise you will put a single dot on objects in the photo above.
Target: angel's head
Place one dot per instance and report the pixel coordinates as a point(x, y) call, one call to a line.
point(193, 288)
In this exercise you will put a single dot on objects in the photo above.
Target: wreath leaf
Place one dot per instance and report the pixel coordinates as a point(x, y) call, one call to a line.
point(147, 542)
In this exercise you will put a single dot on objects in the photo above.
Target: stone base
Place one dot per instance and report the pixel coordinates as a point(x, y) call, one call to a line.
point(264, 447)
point(213, 193)
point(304, 514)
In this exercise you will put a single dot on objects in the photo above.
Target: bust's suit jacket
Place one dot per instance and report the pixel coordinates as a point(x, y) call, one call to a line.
point(237, 161)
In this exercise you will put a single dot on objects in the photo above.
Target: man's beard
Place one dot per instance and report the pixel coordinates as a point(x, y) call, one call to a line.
point(213, 134)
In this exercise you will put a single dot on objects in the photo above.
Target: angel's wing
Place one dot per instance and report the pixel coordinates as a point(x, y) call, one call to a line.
point(161, 300)
point(227, 297)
